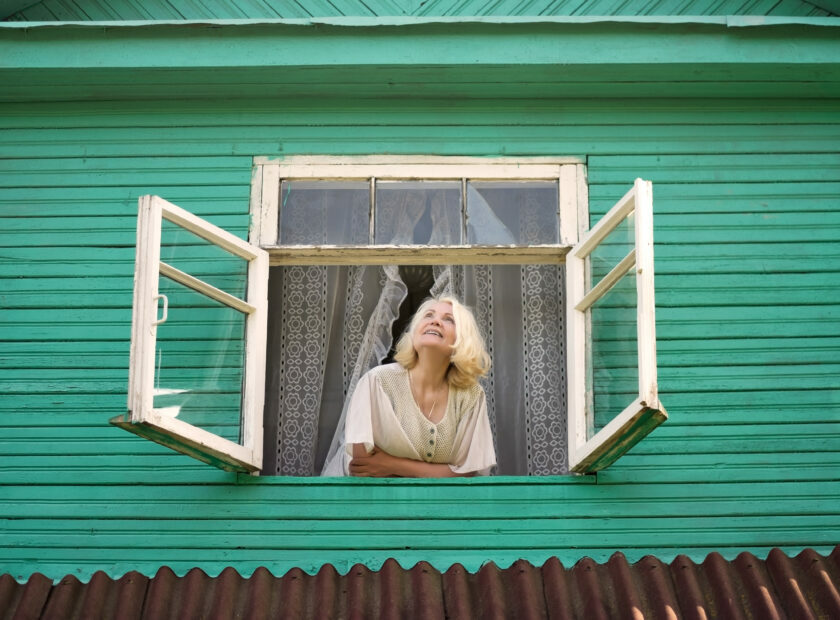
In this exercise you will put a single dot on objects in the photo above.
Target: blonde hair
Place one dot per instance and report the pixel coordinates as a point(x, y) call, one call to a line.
point(469, 360)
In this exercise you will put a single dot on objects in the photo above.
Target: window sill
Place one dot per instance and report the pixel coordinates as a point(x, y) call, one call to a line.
point(477, 480)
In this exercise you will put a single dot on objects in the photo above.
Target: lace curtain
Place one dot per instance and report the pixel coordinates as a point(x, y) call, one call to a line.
point(330, 325)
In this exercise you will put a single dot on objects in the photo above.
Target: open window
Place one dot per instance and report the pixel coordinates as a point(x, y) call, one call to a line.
point(197, 366)
point(357, 243)
point(207, 355)
point(612, 334)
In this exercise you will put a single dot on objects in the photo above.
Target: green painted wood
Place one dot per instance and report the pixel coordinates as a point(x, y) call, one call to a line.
point(458, 59)
point(471, 138)
point(442, 44)
point(595, 113)
point(746, 256)
point(449, 534)
point(558, 82)
point(81, 10)
point(173, 469)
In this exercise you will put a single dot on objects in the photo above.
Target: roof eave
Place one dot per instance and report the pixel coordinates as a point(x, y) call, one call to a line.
point(490, 53)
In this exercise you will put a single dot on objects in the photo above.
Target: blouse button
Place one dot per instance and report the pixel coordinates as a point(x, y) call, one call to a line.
point(431, 442)
point(431, 430)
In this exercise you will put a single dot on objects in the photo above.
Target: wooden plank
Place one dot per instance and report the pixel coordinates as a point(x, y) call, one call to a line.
point(447, 533)
point(101, 201)
point(632, 469)
point(297, 499)
point(734, 197)
point(520, 133)
point(719, 113)
point(125, 172)
point(734, 168)
point(774, 81)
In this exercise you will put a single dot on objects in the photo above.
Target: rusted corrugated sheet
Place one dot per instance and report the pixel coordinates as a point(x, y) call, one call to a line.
point(806, 586)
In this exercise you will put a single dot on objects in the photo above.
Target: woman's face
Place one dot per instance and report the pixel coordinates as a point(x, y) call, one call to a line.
point(436, 328)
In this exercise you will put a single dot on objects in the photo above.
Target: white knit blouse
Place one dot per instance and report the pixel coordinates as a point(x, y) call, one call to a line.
point(383, 413)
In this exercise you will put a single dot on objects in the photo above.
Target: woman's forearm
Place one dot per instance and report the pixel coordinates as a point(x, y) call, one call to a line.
point(409, 468)
point(382, 464)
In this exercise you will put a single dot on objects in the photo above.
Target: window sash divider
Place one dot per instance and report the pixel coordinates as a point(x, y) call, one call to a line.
point(205, 230)
point(607, 223)
point(205, 289)
point(606, 283)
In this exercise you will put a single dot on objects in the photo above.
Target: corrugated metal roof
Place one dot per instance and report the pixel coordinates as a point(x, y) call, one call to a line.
point(805, 586)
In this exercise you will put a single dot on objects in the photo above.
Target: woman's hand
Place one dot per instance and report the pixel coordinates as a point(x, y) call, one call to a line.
point(377, 464)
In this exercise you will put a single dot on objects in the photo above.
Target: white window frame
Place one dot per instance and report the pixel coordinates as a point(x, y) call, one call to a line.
point(575, 245)
point(156, 424)
point(588, 454)
point(568, 172)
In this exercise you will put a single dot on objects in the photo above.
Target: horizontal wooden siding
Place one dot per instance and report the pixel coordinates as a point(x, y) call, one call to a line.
point(747, 224)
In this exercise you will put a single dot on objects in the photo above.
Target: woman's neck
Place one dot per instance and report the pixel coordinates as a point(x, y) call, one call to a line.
point(430, 372)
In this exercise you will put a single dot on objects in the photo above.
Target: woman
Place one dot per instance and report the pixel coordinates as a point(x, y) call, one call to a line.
point(426, 414)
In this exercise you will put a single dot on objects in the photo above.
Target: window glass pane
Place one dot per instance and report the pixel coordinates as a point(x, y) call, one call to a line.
point(422, 212)
point(201, 259)
point(199, 360)
point(612, 367)
point(612, 249)
point(504, 213)
point(324, 212)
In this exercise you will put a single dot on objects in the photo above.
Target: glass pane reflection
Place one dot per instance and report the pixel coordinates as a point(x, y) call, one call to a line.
point(612, 367)
point(611, 251)
point(199, 360)
point(508, 213)
point(324, 212)
point(201, 259)
point(418, 212)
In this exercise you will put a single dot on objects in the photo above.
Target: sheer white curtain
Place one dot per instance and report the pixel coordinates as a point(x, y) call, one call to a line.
point(335, 323)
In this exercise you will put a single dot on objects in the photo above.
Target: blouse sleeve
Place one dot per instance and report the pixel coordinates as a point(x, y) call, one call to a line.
point(474, 450)
point(358, 425)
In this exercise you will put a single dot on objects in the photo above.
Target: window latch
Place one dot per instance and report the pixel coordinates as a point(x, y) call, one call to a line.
point(165, 310)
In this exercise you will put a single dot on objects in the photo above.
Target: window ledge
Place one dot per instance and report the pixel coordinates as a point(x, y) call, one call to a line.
point(477, 480)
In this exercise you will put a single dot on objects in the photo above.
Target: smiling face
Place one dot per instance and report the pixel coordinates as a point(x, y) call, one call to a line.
point(436, 328)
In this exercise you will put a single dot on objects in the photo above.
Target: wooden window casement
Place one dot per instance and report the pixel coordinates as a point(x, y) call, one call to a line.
point(595, 325)
point(190, 372)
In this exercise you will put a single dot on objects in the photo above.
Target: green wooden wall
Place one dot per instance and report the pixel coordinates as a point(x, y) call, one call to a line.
point(85, 10)
point(747, 224)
